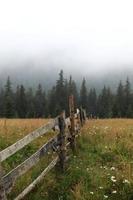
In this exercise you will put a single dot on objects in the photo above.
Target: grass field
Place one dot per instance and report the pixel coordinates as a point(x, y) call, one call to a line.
point(101, 167)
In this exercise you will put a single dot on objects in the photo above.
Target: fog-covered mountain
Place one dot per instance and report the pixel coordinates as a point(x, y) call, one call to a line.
point(31, 74)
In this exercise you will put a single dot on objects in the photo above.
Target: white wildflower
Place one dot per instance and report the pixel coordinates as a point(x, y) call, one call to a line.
point(100, 188)
point(92, 193)
point(126, 181)
point(105, 196)
point(112, 168)
point(113, 179)
point(114, 192)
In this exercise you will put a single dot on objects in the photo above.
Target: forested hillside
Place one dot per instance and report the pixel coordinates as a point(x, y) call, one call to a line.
point(28, 103)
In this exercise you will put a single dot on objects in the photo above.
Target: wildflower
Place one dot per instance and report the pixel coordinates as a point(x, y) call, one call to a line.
point(106, 147)
point(87, 169)
point(105, 196)
point(113, 179)
point(112, 168)
point(114, 192)
point(92, 193)
point(126, 181)
point(100, 188)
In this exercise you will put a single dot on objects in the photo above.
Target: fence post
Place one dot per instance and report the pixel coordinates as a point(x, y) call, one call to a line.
point(2, 191)
point(72, 120)
point(81, 116)
point(84, 116)
point(79, 119)
point(61, 138)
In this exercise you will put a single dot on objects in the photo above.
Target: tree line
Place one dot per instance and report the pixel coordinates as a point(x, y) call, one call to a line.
point(27, 103)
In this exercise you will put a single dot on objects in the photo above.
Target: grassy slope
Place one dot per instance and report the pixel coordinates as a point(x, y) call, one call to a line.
point(104, 152)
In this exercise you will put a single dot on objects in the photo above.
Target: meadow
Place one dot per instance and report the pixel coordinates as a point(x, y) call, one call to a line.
point(101, 167)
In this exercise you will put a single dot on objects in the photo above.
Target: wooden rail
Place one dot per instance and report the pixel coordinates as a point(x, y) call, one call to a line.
point(21, 169)
point(6, 153)
point(38, 180)
point(68, 131)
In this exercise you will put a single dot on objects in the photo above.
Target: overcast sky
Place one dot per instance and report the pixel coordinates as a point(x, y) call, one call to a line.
point(94, 34)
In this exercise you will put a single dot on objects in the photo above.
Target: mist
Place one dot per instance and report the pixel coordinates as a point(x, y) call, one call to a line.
point(91, 39)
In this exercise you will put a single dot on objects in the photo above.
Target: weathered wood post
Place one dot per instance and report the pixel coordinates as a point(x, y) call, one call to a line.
point(81, 116)
point(72, 120)
point(84, 115)
point(78, 123)
point(61, 138)
point(2, 191)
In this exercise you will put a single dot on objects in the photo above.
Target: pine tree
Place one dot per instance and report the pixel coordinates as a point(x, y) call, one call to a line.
point(60, 93)
point(72, 90)
point(52, 102)
point(17, 101)
point(105, 103)
point(102, 103)
point(8, 100)
point(45, 104)
point(83, 94)
point(118, 109)
point(110, 102)
point(21, 102)
point(92, 103)
point(30, 104)
point(39, 102)
point(2, 103)
point(128, 103)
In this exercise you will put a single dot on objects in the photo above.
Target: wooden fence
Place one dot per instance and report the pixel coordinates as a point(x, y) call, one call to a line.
point(68, 129)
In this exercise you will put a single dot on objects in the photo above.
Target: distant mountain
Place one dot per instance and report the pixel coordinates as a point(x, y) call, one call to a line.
point(31, 75)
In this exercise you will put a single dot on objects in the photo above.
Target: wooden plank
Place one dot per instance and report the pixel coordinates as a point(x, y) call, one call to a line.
point(62, 140)
point(2, 190)
point(72, 119)
point(10, 178)
point(38, 180)
point(4, 154)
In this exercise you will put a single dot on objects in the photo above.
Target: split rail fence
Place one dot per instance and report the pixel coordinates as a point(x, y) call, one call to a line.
point(68, 130)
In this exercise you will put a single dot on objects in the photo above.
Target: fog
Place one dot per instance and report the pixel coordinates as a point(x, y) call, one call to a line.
point(88, 38)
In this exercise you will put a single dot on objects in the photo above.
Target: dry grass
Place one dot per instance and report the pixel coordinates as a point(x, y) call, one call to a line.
point(11, 130)
point(104, 150)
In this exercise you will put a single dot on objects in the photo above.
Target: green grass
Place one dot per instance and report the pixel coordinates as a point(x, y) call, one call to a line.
point(98, 170)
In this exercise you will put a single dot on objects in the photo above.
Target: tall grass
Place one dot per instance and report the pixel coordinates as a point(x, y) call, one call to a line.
point(101, 167)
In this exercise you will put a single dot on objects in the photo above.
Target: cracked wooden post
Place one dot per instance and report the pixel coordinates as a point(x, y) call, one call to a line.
point(72, 120)
point(2, 191)
point(61, 138)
